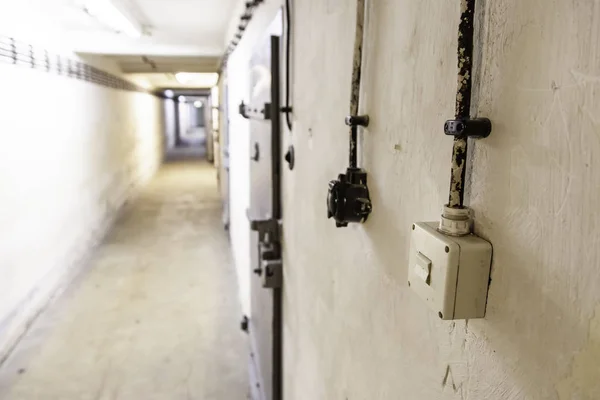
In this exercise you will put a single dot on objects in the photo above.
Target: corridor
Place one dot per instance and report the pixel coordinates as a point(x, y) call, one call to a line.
point(153, 315)
point(299, 200)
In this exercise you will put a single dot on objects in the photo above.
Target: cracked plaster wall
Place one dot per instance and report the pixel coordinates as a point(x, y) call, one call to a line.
point(353, 330)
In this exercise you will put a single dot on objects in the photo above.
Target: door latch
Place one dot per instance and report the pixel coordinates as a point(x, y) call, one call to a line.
point(270, 269)
point(268, 229)
point(273, 274)
point(266, 251)
point(269, 249)
point(290, 157)
point(256, 155)
point(242, 110)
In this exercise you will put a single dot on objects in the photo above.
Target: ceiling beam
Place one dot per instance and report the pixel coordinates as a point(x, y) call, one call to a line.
point(166, 64)
point(190, 92)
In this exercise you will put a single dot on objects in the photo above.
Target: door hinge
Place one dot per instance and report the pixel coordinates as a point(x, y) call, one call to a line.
point(249, 112)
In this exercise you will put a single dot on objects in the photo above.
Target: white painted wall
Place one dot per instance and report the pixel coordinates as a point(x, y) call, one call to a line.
point(184, 118)
point(72, 153)
point(353, 329)
point(170, 124)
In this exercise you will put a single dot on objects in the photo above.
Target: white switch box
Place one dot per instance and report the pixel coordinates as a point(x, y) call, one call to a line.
point(450, 273)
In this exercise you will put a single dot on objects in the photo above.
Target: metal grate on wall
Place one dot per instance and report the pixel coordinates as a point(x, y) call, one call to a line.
point(26, 55)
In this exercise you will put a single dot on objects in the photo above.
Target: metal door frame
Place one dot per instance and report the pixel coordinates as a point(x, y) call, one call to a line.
point(277, 213)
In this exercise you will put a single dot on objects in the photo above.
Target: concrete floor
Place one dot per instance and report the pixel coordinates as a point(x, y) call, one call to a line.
point(155, 314)
point(192, 153)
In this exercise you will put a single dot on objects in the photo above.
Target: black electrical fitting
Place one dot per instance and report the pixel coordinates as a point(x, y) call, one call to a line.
point(357, 120)
point(465, 127)
point(348, 198)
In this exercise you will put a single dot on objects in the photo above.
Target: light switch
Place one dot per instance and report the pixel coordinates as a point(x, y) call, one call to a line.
point(450, 274)
point(423, 267)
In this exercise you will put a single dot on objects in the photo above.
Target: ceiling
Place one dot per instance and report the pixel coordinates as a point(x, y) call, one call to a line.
point(169, 81)
point(153, 64)
point(174, 27)
point(179, 35)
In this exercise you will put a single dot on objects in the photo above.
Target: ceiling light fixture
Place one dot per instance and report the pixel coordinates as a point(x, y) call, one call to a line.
point(182, 99)
point(145, 83)
point(184, 77)
point(198, 104)
point(197, 78)
point(109, 13)
point(169, 93)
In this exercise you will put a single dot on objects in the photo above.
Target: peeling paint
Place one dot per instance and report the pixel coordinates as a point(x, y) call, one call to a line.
point(370, 338)
point(463, 100)
point(459, 157)
point(465, 52)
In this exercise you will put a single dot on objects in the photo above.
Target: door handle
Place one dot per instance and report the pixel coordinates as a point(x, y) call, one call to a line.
point(256, 155)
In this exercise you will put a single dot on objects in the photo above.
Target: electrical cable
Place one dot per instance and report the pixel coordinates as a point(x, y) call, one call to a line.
point(463, 102)
point(356, 74)
point(287, 109)
point(348, 199)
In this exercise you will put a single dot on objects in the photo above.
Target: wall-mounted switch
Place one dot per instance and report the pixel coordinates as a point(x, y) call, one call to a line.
point(450, 273)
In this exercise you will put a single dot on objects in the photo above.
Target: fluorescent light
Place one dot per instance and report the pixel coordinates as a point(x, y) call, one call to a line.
point(107, 12)
point(184, 77)
point(145, 83)
point(197, 78)
point(198, 104)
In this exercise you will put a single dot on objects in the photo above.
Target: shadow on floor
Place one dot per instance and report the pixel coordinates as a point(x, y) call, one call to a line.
point(196, 153)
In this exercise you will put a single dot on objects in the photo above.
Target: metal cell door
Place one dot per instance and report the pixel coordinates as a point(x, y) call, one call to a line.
point(263, 111)
point(224, 168)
